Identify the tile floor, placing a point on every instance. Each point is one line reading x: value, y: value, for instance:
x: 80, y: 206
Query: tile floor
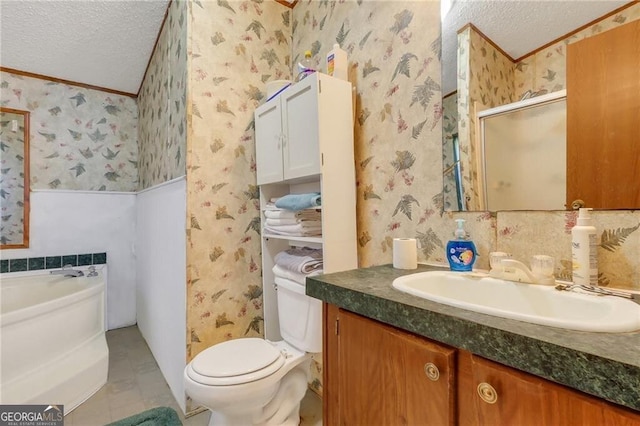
x: 135, y: 384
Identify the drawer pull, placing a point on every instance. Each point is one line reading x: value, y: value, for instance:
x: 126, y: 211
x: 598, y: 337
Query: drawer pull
x: 487, y: 393
x: 431, y: 371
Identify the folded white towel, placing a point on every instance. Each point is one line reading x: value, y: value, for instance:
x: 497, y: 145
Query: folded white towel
x: 293, y: 231
x: 300, y: 259
x: 277, y: 222
x: 305, y: 224
x: 298, y: 277
x: 303, y: 221
x: 288, y: 214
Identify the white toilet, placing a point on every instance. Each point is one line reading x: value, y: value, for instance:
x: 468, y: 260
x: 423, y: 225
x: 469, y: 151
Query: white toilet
x: 253, y: 381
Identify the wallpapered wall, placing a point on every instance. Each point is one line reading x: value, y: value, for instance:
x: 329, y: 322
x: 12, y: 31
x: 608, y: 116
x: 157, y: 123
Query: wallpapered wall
x: 393, y: 50
x: 81, y: 139
x: 162, y: 104
x: 546, y: 70
x: 12, y: 178
x: 234, y: 48
x: 449, y: 128
x: 488, y: 81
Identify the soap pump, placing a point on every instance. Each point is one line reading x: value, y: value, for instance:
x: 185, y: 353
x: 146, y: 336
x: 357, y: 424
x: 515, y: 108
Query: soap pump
x: 461, y: 252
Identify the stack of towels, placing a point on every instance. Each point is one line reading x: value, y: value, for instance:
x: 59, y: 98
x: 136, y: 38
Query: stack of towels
x: 293, y: 215
x: 298, y: 263
x: 305, y: 223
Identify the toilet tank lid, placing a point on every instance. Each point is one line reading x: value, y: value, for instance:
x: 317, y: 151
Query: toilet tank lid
x: 235, y: 358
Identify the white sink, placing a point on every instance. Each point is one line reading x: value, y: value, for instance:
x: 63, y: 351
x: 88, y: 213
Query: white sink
x: 532, y: 303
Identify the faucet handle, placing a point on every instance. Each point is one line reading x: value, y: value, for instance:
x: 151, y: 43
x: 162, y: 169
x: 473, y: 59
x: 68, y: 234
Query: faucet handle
x: 542, y: 265
x: 496, y: 257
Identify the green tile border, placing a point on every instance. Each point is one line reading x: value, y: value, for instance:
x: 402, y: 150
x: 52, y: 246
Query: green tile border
x: 51, y: 262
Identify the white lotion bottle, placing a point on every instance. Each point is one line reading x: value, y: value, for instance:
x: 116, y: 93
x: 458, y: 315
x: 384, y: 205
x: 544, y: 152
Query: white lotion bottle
x: 337, y: 63
x: 584, y: 245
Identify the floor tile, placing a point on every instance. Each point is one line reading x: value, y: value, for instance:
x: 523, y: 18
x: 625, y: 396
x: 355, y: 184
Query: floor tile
x: 135, y: 384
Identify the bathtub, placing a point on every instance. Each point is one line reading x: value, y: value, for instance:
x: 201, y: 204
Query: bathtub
x: 53, y: 346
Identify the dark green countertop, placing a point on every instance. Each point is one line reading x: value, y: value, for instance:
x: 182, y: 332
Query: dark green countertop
x: 606, y: 365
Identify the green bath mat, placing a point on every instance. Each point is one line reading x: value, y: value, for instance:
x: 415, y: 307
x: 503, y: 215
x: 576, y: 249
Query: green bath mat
x: 160, y: 416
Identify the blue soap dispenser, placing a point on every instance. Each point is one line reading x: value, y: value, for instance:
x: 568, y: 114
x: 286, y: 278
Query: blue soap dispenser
x: 461, y: 252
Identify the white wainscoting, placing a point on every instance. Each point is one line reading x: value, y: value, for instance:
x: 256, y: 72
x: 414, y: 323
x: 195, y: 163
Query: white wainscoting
x: 162, y: 278
x: 78, y: 222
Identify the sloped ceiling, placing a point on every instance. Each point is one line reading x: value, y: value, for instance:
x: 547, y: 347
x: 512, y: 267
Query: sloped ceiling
x: 101, y: 43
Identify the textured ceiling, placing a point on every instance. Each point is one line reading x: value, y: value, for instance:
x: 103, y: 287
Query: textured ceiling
x: 517, y: 26
x: 101, y: 43
x: 108, y: 43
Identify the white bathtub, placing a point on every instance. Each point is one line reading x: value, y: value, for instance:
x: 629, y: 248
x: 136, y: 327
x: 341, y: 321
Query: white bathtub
x: 53, y: 346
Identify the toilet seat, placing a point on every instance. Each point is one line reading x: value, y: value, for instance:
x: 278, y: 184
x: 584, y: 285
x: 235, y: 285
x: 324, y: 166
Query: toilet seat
x: 235, y: 362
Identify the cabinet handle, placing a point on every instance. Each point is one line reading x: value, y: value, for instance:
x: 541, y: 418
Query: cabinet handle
x: 577, y: 204
x: 284, y: 140
x: 487, y: 393
x: 431, y: 371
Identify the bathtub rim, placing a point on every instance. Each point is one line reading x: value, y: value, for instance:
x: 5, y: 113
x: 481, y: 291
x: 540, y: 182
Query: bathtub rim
x: 26, y: 313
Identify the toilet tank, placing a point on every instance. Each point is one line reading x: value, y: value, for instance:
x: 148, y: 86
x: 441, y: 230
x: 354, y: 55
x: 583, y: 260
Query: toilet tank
x: 300, y: 316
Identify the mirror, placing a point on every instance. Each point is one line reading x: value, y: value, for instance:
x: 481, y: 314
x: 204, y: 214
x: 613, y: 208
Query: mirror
x: 492, y: 78
x: 14, y: 178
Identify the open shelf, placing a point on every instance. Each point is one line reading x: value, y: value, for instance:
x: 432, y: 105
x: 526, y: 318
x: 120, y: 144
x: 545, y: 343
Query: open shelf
x: 317, y: 240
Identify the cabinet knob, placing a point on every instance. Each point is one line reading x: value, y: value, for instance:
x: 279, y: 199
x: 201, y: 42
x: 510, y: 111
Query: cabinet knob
x: 487, y: 393
x: 577, y: 204
x: 431, y: 371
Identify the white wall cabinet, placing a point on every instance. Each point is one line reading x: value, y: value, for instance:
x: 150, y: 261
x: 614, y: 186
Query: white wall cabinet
x: 304, y: 143
x: 289, y: 128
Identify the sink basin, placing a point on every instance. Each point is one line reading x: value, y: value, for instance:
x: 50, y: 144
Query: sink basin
x: 532, y: 303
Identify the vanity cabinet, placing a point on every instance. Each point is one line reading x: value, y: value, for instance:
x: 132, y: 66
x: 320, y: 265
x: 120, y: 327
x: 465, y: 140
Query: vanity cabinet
x: 493, y: 394
x: 377, y: 374
x: 294, y: 129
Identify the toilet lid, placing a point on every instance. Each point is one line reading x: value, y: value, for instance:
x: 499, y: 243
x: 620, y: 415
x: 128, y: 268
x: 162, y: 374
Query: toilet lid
x: 235, y: 358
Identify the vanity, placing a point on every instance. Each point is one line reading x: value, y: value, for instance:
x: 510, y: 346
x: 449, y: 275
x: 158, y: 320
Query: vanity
x: 393, y: 358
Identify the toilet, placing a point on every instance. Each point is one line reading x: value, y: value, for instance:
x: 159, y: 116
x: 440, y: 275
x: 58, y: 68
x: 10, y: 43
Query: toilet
x: 252, y: 381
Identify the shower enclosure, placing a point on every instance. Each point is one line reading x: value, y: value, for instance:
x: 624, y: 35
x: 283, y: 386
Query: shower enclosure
x: 522, y: 155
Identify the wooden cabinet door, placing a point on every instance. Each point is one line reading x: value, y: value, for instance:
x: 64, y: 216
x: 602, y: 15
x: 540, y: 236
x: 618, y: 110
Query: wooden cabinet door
x: 492, y: 394
x: 301, y: 154
x: 268, y: 139
x: 385, y: 376
x: 603, y: 119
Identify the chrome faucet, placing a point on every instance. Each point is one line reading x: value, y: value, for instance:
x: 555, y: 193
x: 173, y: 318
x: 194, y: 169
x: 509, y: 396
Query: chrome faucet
x: 68, y: 271
x: 513, y: 270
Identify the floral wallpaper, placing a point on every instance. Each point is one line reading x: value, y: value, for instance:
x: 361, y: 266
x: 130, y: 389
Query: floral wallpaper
x: 234, y: 48
x: 449, y: 128
x: 394, y: 62
x: 545, y: 71
x: 81, y: 139
x: 487, y: 78
x: 12, y: 178
x: 162, y: 104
